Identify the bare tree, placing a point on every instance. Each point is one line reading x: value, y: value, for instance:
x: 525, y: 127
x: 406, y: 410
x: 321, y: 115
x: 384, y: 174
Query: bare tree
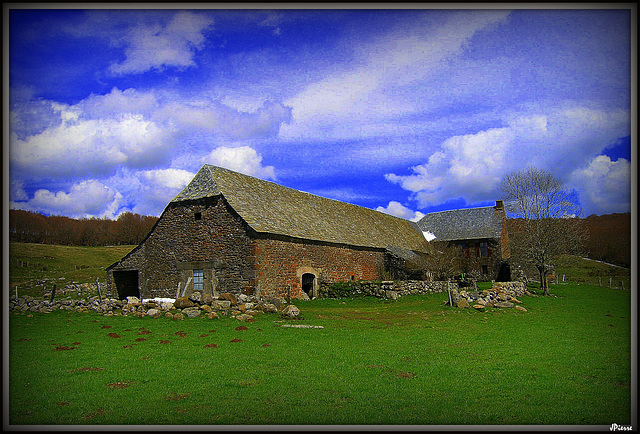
x: 548, y: 225
x: 447, y: 262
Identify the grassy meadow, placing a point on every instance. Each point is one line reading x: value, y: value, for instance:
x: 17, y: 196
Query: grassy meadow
x: 33, y: 265
x: 566, y: 361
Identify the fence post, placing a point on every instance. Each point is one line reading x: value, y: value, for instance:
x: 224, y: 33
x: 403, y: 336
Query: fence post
x: 15, y: 288
x: 53, y: 292
x: 610, y: 282
x: 98, y: 287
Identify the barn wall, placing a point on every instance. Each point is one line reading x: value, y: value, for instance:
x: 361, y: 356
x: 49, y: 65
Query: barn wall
x: 280, y: 262
x: 216, y: 240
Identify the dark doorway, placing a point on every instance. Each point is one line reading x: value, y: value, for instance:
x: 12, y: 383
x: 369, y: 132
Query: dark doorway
x: 504, y: 275
x: 126, y: 283
x: 307, y: 283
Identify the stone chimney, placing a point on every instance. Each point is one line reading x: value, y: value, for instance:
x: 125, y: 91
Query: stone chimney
x: 499, y: 205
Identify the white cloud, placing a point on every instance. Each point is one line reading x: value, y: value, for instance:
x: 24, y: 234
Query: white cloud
x: 471, y: 166
x: 225, y: 122
x: 175, y: 179
x: 89, y: 198
x: 157, y: 46
x: 243, y: 159
x: 604, y: 185
x: 90, y: 147
x: 399, y: 210
x: 365, y: 89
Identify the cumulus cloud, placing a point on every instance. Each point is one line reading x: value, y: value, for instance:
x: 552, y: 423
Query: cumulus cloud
x: 243, y: 159
x: 89, y: 198
x: 150, y: 47
x: 399, y: 210
x: 89, y: 147
x: 471, y: 166
x: 604, y: 185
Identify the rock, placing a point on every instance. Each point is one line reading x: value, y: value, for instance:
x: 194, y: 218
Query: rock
x: 304, y: 296
x: 220, y: 304
x: 503, y: 304
x: 212, y: 315
x: 207, y: 299
x: 133, y: 300
x: 230, y: 297
x: 521, y: 308
x: 168, y: 315
x: 179, y: 315
x: 191, y: 312
x: 206, y: 308
x: 478, y: 306
x: 269, y: 308
x: 463, y: 303
x: 196, y: 296
x: 243, y: 317
x: 154, y: 313
x: 166, y: 305
x: 290, y: 311
x: 182, y: 303
x: 391, y: 295
x: 481, y: 301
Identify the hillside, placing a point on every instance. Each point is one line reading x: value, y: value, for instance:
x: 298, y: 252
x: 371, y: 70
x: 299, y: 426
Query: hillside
x: 609, y: 238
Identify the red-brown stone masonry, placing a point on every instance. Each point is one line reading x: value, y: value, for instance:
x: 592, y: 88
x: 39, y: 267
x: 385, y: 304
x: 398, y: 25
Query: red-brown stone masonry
x: 219, y: 236
x: 278, y: 261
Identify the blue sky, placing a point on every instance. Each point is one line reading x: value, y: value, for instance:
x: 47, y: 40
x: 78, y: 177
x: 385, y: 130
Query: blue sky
x: 403, y: 111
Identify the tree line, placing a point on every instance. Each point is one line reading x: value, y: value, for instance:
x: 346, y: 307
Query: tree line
x: 32, y: 227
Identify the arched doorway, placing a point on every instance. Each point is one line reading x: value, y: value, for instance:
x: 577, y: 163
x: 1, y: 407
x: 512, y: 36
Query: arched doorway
x: 307, y: 283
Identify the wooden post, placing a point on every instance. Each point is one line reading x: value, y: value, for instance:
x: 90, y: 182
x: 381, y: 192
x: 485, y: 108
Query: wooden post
x: 98, y: 287
x: 449, y: 291
x: 53, y: 292
x: 610, y: 282
x: 15, y: 288
x: 178, y: 291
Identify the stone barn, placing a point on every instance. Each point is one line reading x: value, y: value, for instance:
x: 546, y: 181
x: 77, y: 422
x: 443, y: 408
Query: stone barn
x: 229, y: 232
x: 480, y: 233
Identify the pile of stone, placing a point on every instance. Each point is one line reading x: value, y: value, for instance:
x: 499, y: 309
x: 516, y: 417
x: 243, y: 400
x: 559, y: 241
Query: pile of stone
x: 241, y: 307
x: 391, y: 290
x: 501, y: 295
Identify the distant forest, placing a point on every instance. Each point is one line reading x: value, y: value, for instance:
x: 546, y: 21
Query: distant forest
x: 609, y: 236
x: 31, y: 227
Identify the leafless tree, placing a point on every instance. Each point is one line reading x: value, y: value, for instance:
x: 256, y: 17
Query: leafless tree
x: 446, y: 262
x: 547, y: 219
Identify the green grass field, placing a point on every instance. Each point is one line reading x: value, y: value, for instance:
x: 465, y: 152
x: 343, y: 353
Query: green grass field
x: 31, y: 264
x: 566, y: 361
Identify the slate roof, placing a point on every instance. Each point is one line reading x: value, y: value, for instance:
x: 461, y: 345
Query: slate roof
x: 271, y: 208
x: 464, y: 224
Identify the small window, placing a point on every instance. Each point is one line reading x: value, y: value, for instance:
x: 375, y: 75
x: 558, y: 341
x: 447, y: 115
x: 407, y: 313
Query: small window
x: 198, y: 280
x: 485, y: 269
x: 197, y: 216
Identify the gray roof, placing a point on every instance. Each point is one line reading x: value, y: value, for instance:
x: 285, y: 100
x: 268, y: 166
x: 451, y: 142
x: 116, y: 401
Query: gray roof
x: 271, y: 208
x: 464, y: 224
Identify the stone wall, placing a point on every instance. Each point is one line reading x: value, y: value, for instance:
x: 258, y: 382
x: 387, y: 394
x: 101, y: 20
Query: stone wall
x: 384, y: 289
x: 205, y: 234
x: 280, y: 263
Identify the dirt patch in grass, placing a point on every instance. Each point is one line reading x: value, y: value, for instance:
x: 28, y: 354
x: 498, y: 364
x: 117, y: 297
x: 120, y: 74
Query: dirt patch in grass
x: 236, y: 340
x: 119, y: 385
x: 24, y: 340
x: 241, y: 328
x: 180, y: 333
x: 63, y: 348
x: 211, y: 346
x: 98, y: 412
x: 165, y: 342
x: 141, y: 339
x: 114, y: 335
